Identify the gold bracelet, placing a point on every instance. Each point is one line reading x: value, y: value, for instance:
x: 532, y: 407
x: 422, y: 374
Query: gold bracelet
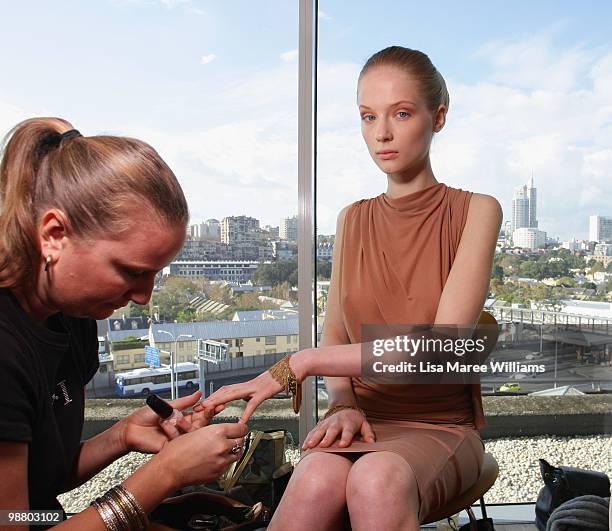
x: 340, y: 407
x: 120, y: 511
x: 284, y: 375
x: 108, y: 516
x: 118, y: 508
x: 139, y: 514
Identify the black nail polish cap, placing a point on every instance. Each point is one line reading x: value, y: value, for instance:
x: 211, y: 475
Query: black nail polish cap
x: 160, y: 406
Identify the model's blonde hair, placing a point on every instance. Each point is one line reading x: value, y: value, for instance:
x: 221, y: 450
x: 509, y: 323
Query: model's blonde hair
x: 95, y: 181
x: 419, y: 66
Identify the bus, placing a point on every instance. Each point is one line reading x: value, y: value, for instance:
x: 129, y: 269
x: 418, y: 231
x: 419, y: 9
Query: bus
x: 142, y: 382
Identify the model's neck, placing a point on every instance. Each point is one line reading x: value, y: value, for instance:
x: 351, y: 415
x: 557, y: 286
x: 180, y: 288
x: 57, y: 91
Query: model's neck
x: 412, y: 180
x: 33, y: 304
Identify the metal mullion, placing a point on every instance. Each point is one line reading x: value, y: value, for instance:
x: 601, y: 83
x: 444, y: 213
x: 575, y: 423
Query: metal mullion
x: 306, y: 210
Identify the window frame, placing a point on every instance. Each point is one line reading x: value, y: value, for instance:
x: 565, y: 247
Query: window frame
x: 307, y: 120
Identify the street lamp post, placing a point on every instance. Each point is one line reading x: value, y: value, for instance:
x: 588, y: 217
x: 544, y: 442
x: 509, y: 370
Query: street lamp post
x: 173, y: 376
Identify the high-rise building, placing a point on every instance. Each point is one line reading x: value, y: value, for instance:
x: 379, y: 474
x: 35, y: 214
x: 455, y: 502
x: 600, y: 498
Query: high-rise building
x: 193, y: 232
x: 274, y: 232
x: 524, y: 207
x: 529, y: 238
x: 289, y: 229
x: 600, y: 229
x: 207, y: 230
x: 210, y: 230
x: 239, y: 229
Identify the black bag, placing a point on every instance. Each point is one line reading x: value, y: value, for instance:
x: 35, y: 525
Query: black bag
x: 210, y: 512
x: 564, y: 483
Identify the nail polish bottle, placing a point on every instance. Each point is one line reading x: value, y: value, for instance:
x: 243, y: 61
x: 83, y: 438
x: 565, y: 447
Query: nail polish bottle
x: 164, y: 410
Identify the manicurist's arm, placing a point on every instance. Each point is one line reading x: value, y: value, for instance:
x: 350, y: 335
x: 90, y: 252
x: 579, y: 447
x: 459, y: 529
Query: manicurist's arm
x: 209, y: 454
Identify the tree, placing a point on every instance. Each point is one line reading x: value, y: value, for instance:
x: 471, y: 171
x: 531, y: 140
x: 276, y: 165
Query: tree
x: 250, y: 301
x: 324, y: 270
x: 138, y: 310
x: 280, y: 291
x: 554, y: 269
x: 530, y: 269
x: 216, y: 292
x: 186, y: 315
x: 175, y: 296
x: 510, y: 263
x: 276, y: 273
x: 498, y: 272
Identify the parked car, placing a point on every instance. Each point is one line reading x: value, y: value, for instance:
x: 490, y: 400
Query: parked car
x: 533, y: 356
x: 510, y: 386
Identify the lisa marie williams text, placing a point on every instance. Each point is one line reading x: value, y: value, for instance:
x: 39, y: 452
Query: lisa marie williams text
x: 456, y: 367
x: 439, y: 354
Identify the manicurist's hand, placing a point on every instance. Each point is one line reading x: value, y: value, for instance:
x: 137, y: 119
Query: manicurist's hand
x: 202, y: 455
x: 342, y: 426
x: 143, y: 430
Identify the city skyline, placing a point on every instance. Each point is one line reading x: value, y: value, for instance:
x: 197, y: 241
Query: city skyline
x: 529, y: 93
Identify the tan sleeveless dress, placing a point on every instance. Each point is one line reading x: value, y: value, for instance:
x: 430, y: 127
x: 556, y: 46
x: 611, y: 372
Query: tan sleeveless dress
x: 396, y: 256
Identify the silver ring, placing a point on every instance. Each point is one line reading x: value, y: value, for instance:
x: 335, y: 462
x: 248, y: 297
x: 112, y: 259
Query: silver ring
x: 236, y: 448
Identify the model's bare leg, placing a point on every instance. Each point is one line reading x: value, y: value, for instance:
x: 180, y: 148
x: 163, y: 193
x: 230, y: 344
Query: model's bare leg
x: 316, y: 495
x: 381, y: 493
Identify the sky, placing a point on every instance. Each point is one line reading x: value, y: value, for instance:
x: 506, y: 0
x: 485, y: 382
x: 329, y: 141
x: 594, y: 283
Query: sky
x: 212, y: 85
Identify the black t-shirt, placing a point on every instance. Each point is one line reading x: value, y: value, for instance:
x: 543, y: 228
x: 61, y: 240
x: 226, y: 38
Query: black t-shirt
x: 43, y: 371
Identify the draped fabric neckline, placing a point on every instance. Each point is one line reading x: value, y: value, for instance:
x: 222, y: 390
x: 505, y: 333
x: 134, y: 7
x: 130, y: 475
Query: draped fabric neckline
x: 421, y: 201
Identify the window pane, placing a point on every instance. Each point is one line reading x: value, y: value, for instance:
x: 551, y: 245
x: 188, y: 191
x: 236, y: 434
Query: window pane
x: 518, y: 129
x: 219, y: 103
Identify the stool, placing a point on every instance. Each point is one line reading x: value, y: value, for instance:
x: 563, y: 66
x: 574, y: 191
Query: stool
x: 488, y: 475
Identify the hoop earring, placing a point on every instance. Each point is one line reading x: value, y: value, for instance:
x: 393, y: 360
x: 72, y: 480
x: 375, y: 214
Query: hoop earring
x: 47, y: 262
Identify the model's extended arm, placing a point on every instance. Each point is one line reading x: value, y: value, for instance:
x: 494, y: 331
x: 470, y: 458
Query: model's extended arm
x: 462, y: 298
x: 461, y: 303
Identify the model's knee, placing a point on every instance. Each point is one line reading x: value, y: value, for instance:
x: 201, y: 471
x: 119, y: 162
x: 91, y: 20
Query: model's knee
x: 381, y: 479
x: 320, y: 477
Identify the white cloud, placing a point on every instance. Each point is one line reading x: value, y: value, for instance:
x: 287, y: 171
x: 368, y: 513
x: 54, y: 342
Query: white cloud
x: 535, y: 62
x: 171, y: 4
x: 546, y: 111
x: 240, y: 155
x: 206, y: 59
x: 291, y: 55
x: 238, y: 162
x: 323, y: 15
x: 497, y: 134
x: 187, y: 5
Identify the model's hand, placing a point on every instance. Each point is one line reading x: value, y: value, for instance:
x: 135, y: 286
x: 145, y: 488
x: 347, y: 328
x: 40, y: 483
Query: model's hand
x: 143, y: 430
x: 343, y: 425
x: 254, y: 391
x: 202, y: 455
x: 202, y: 417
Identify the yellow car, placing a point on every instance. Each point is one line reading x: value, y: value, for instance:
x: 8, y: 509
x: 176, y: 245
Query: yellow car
x: 510, y: 387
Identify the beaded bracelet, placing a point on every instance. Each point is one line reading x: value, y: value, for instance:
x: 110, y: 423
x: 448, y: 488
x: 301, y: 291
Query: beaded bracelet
x: 284, y: 375
x: 341, y: 407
